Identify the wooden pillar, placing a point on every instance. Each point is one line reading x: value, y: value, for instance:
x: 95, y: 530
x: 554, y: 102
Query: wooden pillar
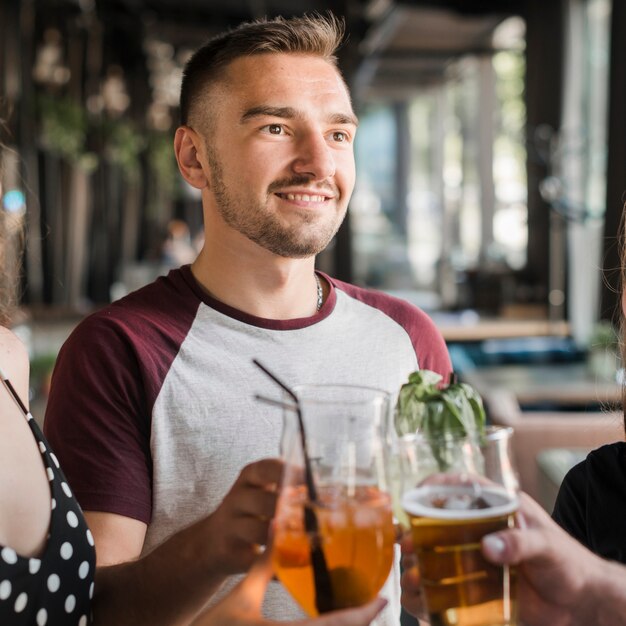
x: 544, y: 70
x: 616, y: 166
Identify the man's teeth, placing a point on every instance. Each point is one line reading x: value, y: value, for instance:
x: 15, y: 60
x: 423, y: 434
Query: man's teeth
x: 303, y: 197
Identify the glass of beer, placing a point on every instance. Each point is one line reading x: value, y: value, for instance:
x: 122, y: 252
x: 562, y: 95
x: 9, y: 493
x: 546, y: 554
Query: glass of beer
x: 455, y: 491
x: 345, y: 430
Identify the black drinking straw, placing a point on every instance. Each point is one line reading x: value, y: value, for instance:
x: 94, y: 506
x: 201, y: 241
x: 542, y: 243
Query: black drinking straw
x: 324, y: 601
x: 14, y: 394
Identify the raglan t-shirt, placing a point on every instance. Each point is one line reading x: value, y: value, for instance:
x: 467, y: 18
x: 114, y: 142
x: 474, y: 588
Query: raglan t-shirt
x: 152, y: 409
x: 591, y: 504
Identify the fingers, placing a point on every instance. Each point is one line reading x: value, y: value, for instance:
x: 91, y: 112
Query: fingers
x: 412, y: 599
x: 258, y: 502
x: 265, y: 473
x: 361, y: 616
x: 530, y: 540
x: 251, y: 530
x: 242, y: 521
x: 406, y: 544
x: 399, y: 531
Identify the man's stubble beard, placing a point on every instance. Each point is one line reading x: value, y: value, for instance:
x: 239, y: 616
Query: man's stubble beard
x: 262, y: 227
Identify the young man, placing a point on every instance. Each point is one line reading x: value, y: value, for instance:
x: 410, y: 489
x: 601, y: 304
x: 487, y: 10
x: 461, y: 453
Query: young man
x: 152, y: 407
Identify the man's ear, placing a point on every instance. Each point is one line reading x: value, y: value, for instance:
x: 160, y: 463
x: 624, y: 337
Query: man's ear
x: 187, y: 144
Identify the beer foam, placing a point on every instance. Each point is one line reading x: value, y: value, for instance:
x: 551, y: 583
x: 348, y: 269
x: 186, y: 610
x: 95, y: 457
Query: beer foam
x: 418, y: 502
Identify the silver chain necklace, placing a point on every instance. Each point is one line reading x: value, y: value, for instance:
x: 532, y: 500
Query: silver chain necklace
x: 320, y: 292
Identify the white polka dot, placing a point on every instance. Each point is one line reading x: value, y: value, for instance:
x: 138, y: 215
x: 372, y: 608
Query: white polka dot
x: 82, y: 621
x: 72, y: 520
x: 66, y: 489
x: 42, y: 617
x: 70, y: 603
x: 34, y: 565
x: 91, y: 591
x: 9, y: 556
x: 54, y: 458
x: 54, y: 582
x: 5, y: 589
x: 42, y: 446
x: 50, y: 474
x: 20, y: 602
x: 67, y: 550
x: 83, y: 570
x: 90, y: 537
x: 54, y: 504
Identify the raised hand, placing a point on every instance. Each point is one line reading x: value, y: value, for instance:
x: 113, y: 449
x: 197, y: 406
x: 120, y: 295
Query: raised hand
x: 561, y: 582
x: 241, y: 522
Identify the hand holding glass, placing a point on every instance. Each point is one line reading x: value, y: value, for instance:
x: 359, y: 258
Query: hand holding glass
x: 345, y: 436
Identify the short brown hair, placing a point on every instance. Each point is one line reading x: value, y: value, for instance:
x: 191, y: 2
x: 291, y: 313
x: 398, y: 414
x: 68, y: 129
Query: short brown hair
x: 319, y: 35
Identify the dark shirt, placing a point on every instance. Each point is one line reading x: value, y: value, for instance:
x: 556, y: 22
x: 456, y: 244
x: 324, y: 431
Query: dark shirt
x: 591, y: 504
x: 54, y: 589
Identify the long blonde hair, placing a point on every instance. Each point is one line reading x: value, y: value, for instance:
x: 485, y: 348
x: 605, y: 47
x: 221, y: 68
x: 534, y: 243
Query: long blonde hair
x: 8, y: 278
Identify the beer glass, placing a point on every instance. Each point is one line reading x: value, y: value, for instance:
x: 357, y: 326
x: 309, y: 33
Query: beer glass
x: 455, y: 491
x: 345, y: 440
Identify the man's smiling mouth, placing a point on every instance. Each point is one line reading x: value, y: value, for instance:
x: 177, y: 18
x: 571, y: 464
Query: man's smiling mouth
x: 303, y: 197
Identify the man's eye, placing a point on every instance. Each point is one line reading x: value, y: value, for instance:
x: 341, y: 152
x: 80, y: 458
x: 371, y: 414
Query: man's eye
x: 340, y: 137
x: 274, y: 129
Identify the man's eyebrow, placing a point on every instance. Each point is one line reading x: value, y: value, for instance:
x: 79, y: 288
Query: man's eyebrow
x: 289, y: 113
x: 265, y: 110
x: 343, y: 118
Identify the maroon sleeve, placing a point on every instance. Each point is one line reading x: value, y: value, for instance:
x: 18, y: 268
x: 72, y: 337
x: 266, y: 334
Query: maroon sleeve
x: 430, y: 348
x: 98, y: 421
x: 105, y: 382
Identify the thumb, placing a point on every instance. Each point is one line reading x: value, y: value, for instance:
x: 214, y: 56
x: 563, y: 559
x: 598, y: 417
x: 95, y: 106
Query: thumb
x: 361, y: 616
x: 513, y: 546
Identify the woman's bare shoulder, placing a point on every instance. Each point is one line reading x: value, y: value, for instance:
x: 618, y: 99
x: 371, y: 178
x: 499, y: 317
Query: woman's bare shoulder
x: 13, y: 357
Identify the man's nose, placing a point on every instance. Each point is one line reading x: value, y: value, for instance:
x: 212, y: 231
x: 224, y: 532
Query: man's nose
x: 315, y: 157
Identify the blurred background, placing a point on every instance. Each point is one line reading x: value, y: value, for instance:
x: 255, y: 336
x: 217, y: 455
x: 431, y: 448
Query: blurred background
x: 491, y: 160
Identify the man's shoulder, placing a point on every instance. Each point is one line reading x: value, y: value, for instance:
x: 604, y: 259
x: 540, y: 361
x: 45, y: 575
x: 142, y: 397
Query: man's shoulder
x: 399, y: 309
x: 166, y: 306
x: 429, y: 345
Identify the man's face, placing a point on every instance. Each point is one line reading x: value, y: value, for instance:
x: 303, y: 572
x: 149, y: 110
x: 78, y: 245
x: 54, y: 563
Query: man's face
x: 281, y: 152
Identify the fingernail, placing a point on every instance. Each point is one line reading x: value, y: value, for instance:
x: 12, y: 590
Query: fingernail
x: 494, y: 545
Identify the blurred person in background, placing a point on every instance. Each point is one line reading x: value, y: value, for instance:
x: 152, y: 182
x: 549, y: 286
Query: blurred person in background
x: 177, y: 248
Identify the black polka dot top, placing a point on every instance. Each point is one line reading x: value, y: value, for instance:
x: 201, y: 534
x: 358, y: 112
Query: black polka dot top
x: 55, y: 589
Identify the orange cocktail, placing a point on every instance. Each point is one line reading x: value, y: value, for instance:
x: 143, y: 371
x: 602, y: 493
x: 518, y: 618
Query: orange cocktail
x: 357, y: 538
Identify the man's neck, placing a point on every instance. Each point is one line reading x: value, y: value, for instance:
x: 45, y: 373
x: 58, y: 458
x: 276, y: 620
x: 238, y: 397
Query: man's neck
x: 266, y: 286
